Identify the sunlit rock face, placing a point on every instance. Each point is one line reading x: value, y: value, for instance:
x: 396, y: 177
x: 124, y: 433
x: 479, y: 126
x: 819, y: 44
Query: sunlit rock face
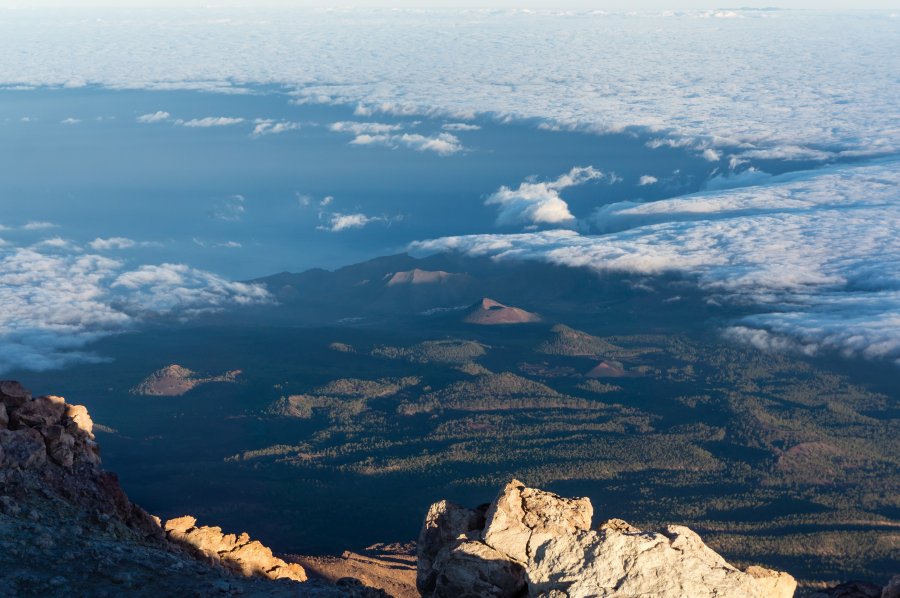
x: 538, y: 544
x: 237, y: 553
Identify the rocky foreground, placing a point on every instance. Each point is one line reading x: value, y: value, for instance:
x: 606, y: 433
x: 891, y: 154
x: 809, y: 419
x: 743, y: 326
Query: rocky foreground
x: 68, y: 529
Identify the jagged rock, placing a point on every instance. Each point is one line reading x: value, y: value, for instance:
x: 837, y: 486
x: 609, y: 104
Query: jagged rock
x: 13, y: 394
x: 42, y: 412
x: 79, y: 415
x: 474, y: 570
x: 522, y: 519
x: 4, y: 416
x: 60, y: 445
x: 239, y: 554
x: 23, y: 449
x: 68, y: 529
x: 550, y: 538
x: 444, y: 523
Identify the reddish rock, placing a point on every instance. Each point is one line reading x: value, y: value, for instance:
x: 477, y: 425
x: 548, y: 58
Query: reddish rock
x: 488, y: 312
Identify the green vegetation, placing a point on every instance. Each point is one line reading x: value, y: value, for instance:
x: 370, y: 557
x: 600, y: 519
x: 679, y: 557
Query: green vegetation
x: 571, y: 342
x: 771, y: 459
x: 441, y: 351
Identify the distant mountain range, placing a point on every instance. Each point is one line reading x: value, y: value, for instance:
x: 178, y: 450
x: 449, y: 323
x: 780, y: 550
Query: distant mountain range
x: 459, y: 288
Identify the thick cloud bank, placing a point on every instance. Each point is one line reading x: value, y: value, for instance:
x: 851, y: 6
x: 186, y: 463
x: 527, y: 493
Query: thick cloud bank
x: 818, y: 252
x: 785, y: 84
x: 55, y: 301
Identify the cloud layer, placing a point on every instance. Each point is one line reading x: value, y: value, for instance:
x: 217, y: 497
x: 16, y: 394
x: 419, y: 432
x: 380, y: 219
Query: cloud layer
x: 818, y: 252
x: 789, y: 84
x: 57, y: 299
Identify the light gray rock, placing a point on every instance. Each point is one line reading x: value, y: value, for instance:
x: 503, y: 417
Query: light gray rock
x: 551, y: 540
x: 522, y: 519
x: 474, y: 570
x: 444, y: 524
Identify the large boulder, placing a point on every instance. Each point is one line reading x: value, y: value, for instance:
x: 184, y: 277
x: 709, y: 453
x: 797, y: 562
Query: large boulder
x: 523, y: 519
x: 549, y: 541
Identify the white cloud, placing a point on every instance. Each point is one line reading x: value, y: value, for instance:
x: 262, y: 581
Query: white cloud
x: 100, y: 244
x: 336, y: 221
x: 272, y: 127
x: 818, y: 252
x: 443, y: 144
x: 70, y: 121
x: 363, y: 128
x: 711, y: 155
x: 56, y: 243
x: 647, y: 180
x: 210, y: 121
x: 54, y: 304
x: 460, y: 127
x: 539, y: 203
x: 154, y: 117
x: 39, y: 225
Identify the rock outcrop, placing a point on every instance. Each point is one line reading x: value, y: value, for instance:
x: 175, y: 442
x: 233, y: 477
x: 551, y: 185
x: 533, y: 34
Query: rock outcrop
x: 68, y: 529
x: 535, y: 543
x: 237, y: 553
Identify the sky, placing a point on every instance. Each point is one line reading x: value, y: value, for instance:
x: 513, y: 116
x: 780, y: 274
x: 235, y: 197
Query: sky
x: 504, y: 4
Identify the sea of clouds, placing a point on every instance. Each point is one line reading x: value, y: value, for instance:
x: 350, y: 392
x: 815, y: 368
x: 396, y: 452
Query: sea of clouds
x: 780, y: 84
x: 817, y: 251
x: 58, y: 297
